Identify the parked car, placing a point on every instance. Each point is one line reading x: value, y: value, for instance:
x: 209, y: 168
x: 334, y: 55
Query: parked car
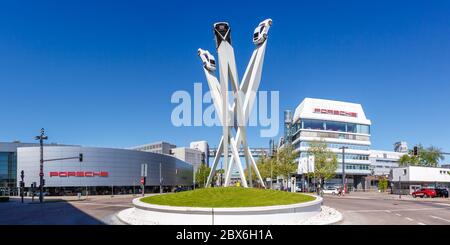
x: 330, y: 190
x: 180, y: 189
x: 424, y: 192
x: 441, y: 192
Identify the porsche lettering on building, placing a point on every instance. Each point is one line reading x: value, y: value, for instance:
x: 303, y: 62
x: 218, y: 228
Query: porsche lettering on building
x: 335, y: 112
x: 79, y: 174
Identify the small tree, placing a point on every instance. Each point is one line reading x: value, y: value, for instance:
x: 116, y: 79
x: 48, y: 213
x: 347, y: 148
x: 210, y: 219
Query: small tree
x: 201, y: 175
x: 427, y: 157
x: 382, y: 184
x: 265, y: 166
x: 325, y: 161
x: 286, y: 163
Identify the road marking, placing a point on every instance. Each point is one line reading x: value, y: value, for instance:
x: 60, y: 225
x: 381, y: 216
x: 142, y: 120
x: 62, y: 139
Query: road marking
x: 408, y: 218
x: 387, y: 211
x: 443, y: 204
x: 398, y: 214
x: 421, y: 223
x: 393, y: 210
x: 439, y: 218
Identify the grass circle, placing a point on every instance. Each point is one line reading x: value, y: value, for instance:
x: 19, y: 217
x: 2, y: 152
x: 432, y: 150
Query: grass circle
x: 229, y: 197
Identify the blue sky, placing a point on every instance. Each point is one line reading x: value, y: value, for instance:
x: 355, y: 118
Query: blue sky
x: 102, y: 73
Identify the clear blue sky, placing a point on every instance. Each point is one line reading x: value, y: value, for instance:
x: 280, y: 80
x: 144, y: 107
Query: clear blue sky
x: 101, y: 73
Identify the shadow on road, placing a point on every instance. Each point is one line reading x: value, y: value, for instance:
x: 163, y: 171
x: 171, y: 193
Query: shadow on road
x: 49, y: 213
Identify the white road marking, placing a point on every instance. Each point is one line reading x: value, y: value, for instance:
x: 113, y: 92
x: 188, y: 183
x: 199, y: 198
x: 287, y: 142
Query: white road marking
x: 387, y: 211
x: 393, y: 210
x: 408, y: 218
x: 398, y: 214
x: 439, y: 218
x: 421, y: 223
x: 443, y: 204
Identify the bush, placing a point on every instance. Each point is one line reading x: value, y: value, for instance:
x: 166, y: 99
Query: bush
x: 382, y: 184
x: 4, y: 199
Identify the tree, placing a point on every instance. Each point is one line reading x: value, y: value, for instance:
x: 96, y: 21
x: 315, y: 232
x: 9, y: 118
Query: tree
x: 382, y: 184
x: 286, y: 163
x: 427, y: 157
x: 201, y: 176
x: 325, y: 161
x: 265, y: 166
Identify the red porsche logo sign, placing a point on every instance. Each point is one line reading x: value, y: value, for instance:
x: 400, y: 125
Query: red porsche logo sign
x: 336, y: 112
x: 79, y: 174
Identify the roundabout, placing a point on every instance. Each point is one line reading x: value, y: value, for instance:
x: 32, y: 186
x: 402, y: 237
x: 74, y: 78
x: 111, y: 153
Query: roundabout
x: 224, y: 206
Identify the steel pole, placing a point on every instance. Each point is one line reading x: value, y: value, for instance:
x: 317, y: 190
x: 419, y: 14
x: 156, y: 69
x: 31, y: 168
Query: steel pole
x: 160, y: 179
x: 41, y: 169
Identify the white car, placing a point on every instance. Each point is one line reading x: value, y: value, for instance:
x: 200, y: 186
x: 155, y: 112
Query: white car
x: 208, y: 60
x: 330, y: 190
x: 260, y: 33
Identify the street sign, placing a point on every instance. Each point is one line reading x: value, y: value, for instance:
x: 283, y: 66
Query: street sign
x: 144, y: 170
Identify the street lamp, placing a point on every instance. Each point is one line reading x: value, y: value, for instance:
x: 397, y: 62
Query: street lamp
x: 41, y: 139
x: 344, y: 187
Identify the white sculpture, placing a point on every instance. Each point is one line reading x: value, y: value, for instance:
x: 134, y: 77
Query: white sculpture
x: 234, y: 117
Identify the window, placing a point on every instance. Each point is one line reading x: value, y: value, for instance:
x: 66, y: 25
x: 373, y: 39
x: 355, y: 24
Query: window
x: 335, y: 126
x: 313, y: 124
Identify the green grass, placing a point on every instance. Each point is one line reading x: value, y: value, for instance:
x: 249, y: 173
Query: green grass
x: 230, y: 197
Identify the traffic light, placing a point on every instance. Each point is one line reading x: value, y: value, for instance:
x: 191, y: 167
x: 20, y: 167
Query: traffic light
x: 416, y: 151
x: 43, y: 182
x: 81, y: 157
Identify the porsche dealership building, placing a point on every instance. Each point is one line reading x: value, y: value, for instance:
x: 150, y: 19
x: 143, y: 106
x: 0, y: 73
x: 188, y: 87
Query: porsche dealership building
x: 102, y: 171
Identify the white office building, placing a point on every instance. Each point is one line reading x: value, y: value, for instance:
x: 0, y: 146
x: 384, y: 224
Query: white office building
x: 338, y: 124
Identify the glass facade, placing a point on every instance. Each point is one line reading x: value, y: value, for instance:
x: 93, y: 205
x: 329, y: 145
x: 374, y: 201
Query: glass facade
x: 331, y: 126
x: 347, y: 156
x: 8, y: 169
x: 331, y: 135
x: 335, y: 146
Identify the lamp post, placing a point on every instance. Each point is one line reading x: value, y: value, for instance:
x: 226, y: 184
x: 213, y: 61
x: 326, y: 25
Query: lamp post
x: 344, y: 187
x: 41, y: 139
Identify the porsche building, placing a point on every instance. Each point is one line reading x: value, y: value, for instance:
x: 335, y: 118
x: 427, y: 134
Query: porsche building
x: 338, y: 124
x: 102, y: 170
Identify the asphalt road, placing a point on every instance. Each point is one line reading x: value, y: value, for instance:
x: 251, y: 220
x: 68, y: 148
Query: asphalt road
x: 380, y: 210
x: 98, y: 210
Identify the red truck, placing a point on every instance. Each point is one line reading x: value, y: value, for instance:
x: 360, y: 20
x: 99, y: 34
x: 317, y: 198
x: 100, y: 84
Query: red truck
x: 424, y: 193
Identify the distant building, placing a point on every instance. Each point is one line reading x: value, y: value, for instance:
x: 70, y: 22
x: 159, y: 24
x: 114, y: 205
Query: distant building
x: 381, y: 162
x: 445, y: 166
x: 401, y: 147
x: 203, y: 147
x: 160, y: 147
x: 189, y: 155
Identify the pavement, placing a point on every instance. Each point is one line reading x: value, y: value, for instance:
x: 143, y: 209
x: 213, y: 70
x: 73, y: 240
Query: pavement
x: 385, y: 209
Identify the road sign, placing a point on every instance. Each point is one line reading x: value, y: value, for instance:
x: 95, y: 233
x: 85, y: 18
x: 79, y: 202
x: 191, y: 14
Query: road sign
x: 144, y: 170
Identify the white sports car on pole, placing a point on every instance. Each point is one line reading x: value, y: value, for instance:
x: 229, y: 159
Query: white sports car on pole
x: 260, y: 33
x: 208, y: 60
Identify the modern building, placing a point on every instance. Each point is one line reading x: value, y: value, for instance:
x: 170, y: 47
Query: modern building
x: 8, y: 166
x: 202, y: 146
x: 337, y: 124
x: 189, y: 155
x: 160, y: 147
x: 102, y: 171
x: 406, y: 180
